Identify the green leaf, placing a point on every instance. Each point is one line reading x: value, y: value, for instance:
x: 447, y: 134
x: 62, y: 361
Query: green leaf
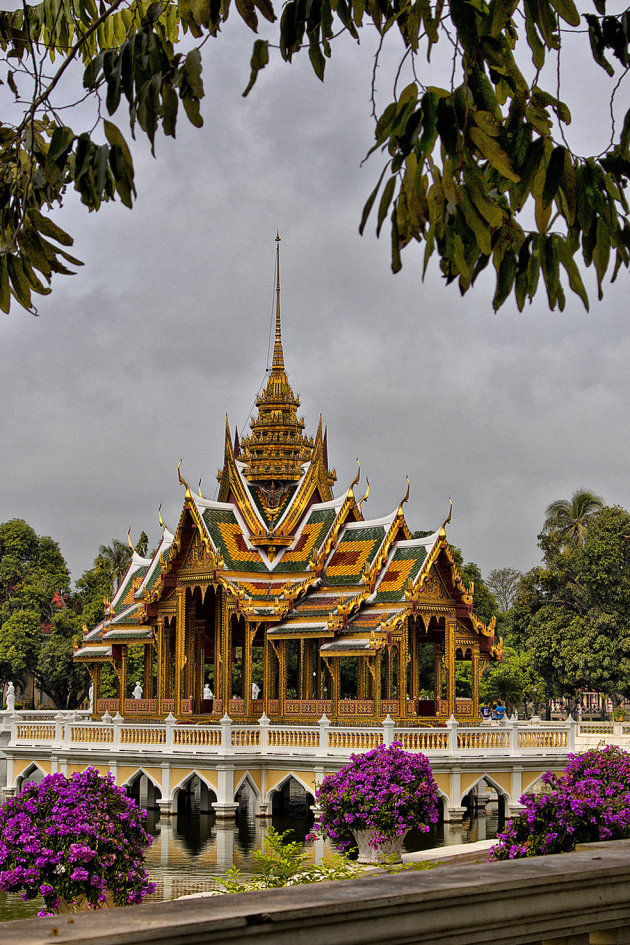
x: 396, y: 260
x: 115, y: 137
x: 601, y: 252
x: 551, y: 274
x: 370, y: 202
x: 247, y: 11
x: 192, y: 72
x: 386, y: 199
x: 553, y: 177
x: 505, y: 279
x: 169, y: 109
x: 48, y: 228
x: 19, y: 283
x: 477, y: 223
x: 492, y: 151
x: 567, y: 10
x: 60, y: 143
x: 317, y: 59
x: 5, y: 292
x: 572, y: 271
x: 260, y: 58
x: 625, y: 134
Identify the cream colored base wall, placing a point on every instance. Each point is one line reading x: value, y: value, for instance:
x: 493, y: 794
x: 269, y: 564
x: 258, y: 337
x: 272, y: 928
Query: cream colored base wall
x: 509, y: 777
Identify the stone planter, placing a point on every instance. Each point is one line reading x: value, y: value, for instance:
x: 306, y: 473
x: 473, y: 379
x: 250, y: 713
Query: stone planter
x: 387, y: 852
x: 81, y: 904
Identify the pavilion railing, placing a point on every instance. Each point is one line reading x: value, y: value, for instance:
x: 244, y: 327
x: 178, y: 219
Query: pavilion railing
x: 69, y: 731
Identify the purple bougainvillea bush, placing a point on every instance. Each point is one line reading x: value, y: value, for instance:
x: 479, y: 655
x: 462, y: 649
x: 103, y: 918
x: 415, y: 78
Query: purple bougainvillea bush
x: 387, y: 790
x: 588, y: 801
x: 80, y: 840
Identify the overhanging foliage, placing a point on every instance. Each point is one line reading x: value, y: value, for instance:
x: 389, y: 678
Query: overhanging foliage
x: 465, y: 164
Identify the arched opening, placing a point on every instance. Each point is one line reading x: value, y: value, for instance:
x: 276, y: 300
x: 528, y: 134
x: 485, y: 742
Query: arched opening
x: 486, y: 808
x: 32, y: 775
x: 247, y: 800
x: 291, y: 808
x: 195, y: 816
x: 143, y: 791
x: 194, y: 796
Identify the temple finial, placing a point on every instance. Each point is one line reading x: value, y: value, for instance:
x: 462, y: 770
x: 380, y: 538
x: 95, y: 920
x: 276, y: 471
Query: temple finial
x: 278, y: 356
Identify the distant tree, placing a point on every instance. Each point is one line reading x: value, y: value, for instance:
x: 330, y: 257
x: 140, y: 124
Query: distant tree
x: 569, y: 518
x: 66, y: 682
x: 114, y: 560
x: 142, y: 544
x: 512, y: 680
x: 485, y: 603
x: 503, y: 582
x: 573, y: 612
x: 20, y: 643
x: 38, y: 621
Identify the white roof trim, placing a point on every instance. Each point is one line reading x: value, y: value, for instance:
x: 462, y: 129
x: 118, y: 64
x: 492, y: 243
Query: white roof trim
x: 167, y: 540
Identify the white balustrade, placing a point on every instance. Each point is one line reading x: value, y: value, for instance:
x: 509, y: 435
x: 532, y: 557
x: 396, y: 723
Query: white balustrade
x: 72, y: 730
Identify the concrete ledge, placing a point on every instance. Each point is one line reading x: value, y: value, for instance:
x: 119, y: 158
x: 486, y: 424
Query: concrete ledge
x: 569, y: 896
x: 455, y: 853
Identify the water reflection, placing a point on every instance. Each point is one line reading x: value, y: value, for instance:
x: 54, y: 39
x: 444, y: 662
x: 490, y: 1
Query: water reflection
x: 190, y: 851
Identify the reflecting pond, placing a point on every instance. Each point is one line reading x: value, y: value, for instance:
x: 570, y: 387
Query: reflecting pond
x: 191, y: 850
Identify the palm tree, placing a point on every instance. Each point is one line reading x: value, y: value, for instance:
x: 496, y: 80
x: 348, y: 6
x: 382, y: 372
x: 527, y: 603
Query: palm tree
x: 114, y: 560
x: 570, y: 518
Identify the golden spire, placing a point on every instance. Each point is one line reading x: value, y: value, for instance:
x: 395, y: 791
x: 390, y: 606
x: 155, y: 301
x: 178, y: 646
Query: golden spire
x: 277, y: 447
x: 278, y: 355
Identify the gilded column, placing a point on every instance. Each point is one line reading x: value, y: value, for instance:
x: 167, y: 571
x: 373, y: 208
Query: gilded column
x: 267, y: 673
x: 301, y: 670
x: 282, y: 674
x: 378, y: 659
x: 389, y: 674
x: 180, y: 651
x: 148, y: 671
x: 450, y: 663
x: 336, y: 677
x: 475, y: 681
x: 218, y: 635
x: 200, y: 648
x: 319, y: 679
x: 122, y: 693
x: 413, y: 631
x: 95, y: 674
x: 308, y: 670
x: 226, y: 655
x: 246, y: 669
x: 160, y: 694
x: 437, y: 663
x: 402, y: 673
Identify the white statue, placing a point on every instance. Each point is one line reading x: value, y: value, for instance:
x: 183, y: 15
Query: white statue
x: 255, y: 690
x: 11, y: 697
x: 91, y: 697
x: 207, y: 692
x: 137, y: 692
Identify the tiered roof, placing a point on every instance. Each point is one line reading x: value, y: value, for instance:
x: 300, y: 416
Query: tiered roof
x: 276, y: 538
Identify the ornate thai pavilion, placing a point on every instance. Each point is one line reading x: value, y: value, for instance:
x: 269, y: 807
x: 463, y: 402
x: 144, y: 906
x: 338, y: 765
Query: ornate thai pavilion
x: 279, y: 598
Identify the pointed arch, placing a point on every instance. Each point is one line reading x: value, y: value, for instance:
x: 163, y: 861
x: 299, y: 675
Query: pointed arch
x: 280, y: 784
x: 247, y: 778
x: 175, y: 790
x: 504, y: 796
x: 140, y: 771
x: 25, y: 776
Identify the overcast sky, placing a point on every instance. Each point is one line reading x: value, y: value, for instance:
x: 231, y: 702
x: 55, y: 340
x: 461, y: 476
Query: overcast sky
x: 134, y: 362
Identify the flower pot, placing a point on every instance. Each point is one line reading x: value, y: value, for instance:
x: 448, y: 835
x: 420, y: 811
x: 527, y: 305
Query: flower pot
x: 81, y: 904
x: 389, y: 851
